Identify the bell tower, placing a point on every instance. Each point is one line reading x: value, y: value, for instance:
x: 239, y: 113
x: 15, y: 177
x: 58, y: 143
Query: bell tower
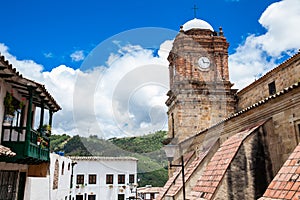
x: 200, y: 91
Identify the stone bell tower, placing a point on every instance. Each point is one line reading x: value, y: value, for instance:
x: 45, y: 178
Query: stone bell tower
x: 200, y: 91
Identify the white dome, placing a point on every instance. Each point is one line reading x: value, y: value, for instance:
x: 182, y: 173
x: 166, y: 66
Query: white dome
x: 197, y: 24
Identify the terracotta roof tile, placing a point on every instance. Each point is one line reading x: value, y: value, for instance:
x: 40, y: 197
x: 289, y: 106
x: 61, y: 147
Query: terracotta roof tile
x: 286, y: 183
x: 171, y: 189
x: 216, y: 168
x: 5, y: 151
x: 171, y: 180
x: 296, y: 196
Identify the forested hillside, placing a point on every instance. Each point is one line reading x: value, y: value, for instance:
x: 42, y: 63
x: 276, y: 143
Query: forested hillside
x: 152, y: 164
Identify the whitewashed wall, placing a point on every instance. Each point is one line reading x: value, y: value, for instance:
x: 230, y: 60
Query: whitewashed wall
x: 63, y: 178
x: 42, y: 188
x: 102, y: 166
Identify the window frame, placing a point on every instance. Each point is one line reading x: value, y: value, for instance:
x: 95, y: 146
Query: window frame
x: 91, y: 197
x: 109, y: 179
x: 131, y: 178
x: 92, y: 178
x: 121, y: 178
x: 80, y: 180
x: 272, y: 88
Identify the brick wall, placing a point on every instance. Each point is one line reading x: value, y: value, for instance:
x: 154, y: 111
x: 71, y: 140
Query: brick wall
x: 284, y: 113
x: 283, y: 76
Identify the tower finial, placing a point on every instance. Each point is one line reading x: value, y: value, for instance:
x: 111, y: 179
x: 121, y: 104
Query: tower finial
x: 195, y: 8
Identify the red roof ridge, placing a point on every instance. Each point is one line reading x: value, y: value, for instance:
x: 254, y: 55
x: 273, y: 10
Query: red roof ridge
x: 215, y: 170
x: 286, y: 183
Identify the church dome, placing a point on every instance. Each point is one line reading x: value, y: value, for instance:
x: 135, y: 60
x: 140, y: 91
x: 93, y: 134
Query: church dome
x: 197, y: 24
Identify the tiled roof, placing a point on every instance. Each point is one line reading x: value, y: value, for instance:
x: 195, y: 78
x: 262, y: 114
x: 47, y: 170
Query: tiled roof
x: 257, y: 104
x: 190, y: 169
x: 286, y: 184
x: 174, y: 184
x: 172, y: 179
x: 5, y: 151
x: 20, y: 83
x: 148, y: 190
x: 216, y: 168
x: 101, y: 158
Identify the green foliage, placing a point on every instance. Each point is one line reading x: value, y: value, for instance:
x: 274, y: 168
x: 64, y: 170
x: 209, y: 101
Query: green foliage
x: 75, y: 147
x: 155, y: 178
x: 58, y: 141
x: 147, y: 149
x: 8, y: 103
x: 142, y: 144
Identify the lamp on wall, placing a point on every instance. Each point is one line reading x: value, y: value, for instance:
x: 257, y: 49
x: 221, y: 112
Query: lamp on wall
x: 133, y: 186
x: 72, y: 166
x: 172, y: 151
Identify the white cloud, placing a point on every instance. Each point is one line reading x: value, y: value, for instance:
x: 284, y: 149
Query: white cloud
x: 127, y: 93
x: 77, y: 56
x: 258, y: 54
x: 127, y: 96
x: 98, y: 101
x: 27, y: 68
x: 48, y: 55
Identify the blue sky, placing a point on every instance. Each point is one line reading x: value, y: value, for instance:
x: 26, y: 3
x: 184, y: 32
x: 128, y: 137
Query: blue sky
x: 105, y: 61
x: 48, y: 32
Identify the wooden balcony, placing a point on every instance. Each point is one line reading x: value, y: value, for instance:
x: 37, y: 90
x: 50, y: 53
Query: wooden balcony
x: 30, y: 146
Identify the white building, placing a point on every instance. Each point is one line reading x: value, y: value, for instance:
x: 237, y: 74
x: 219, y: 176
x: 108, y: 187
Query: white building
x: 104, y: 178
x: 56, y: 186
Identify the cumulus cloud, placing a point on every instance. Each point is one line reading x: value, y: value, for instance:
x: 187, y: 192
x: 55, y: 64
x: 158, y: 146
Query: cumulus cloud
x: 126, y: 94
x: 77, y: 56
x: 127, y: 97
x: 111, y: 100
x: 26, y: 67
x: 259, y: 53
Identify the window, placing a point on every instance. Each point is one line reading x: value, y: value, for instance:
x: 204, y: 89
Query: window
x: 173, y: 128
x: 92, y: 178
x: 121, y: 179
x: 109, y: 178
x: 131, y: 178
x: 8, y: 183
x: 62, y: 168
x: 56, y: 175
x: 80, y: 179
x: 121, y: 196
x: 92, y: 197
x: 79, y: 197
x: 152, y: 195
x: 272, y: 88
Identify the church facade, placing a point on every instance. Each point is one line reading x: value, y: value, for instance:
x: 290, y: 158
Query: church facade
x: 236, y: 144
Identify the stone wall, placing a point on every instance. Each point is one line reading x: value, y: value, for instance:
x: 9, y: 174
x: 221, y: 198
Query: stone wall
x: 284, y: 115
x: 197, y: 107
x: 198, y: 97
x: 283, y: 76
x: 249, y: 174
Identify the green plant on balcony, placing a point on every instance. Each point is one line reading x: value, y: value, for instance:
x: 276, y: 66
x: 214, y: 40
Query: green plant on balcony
x: 9, y: 109
x: 46, y: 130
x: 42, y: 143
x: 22, y: 104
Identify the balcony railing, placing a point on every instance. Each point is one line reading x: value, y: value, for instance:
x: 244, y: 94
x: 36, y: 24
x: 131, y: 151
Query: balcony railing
x: 30, y: 146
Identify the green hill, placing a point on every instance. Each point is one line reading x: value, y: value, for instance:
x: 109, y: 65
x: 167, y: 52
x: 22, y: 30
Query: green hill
x: 152, y: 164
